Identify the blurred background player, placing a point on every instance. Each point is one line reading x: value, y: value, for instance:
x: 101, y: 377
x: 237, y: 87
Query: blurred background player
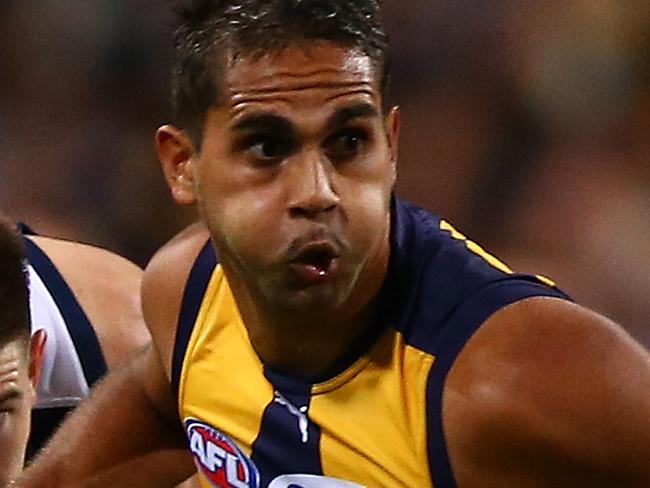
x: 87, y: 300
x: 20, y: 357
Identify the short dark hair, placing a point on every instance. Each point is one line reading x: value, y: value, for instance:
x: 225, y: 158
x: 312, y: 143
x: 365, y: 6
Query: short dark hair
x: 14, y: 286
x: 205, y: 28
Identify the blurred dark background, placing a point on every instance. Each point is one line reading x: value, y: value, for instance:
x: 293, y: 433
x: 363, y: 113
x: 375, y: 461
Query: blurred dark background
x: 526, y: 124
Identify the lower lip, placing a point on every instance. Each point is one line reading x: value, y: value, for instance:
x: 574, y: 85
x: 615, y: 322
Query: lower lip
x: 309, y: 274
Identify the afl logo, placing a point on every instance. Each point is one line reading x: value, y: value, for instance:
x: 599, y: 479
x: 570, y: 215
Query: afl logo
x: 219, y: 459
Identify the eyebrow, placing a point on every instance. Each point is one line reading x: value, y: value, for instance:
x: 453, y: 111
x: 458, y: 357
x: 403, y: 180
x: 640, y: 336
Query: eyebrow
x: 345, y: 114
x: 263, y: 121
x: 269, y: 121
x: 10, y: 394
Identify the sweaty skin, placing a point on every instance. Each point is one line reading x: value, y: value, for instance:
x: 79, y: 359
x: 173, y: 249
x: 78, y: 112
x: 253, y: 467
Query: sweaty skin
x: 301, y: 156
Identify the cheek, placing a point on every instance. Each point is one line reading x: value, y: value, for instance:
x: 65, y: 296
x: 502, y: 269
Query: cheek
x: 232, y: 191
x: 369, y: 187
x: 376, y: 174
x: 368, y: 208
x: 247, y: 222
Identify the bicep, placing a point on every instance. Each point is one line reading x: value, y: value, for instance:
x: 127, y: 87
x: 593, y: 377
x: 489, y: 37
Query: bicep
x: 548, y: 392
x: 163, y: 287
x: 158, y: 391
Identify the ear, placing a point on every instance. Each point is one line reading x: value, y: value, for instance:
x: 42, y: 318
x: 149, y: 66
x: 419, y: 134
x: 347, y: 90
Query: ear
x: 36, y: 353
x: 392, y: 123
x: 175, y: 153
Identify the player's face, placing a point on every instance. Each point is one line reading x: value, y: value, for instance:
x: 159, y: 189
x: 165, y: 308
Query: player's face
x: 295, y: 174
x: 16, y: 400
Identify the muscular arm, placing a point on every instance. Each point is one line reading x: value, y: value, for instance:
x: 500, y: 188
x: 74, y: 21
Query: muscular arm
x: 549, y: 394
x: 127, y: 426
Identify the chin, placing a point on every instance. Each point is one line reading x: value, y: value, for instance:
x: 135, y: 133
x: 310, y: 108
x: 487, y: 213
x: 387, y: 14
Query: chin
x: 309, y: 300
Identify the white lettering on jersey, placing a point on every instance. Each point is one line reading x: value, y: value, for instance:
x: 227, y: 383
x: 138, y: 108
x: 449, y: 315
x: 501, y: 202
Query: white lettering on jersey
x: 213, y: 458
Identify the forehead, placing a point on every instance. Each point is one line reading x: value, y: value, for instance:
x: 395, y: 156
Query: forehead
x: 301, y: 76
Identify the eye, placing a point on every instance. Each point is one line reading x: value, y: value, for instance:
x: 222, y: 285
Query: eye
x: 268, y: 147
x: 346, y: 144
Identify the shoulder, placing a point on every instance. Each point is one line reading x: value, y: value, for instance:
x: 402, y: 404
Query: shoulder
x: 164, y: 283
x: 548, y: 391
x: 107, y: 287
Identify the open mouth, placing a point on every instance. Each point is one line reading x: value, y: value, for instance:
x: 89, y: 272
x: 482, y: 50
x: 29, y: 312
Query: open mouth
x: 319, y: 255
x: 315, y: 263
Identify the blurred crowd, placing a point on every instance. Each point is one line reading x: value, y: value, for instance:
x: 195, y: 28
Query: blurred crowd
x: 526, y: 124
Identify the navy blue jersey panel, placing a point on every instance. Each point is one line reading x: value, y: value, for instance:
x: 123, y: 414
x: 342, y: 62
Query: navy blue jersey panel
x: 81, y: 331
x: 458, y: 329
x: 287, y: 442
x: 45, y: 421
x: 195, y: 288
x: 430, y: 274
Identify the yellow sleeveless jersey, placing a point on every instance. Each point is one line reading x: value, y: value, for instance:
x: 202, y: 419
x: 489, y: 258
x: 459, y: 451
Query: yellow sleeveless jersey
x: 376, y: 421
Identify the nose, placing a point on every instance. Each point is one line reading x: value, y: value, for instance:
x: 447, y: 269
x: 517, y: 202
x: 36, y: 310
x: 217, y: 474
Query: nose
x: 311, y: 192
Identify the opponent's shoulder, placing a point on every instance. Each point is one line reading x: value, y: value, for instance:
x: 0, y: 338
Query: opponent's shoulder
x: 88, y: 264
x: 107, y: 287
x: 549, y: 392
x: 165, y: 279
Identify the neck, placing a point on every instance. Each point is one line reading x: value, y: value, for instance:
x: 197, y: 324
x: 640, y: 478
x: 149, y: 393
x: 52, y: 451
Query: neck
x: 309, y: 343
x: 310, y: 348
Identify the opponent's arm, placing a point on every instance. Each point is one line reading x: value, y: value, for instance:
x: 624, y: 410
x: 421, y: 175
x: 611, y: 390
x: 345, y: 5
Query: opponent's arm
x: 549, y: 394
x: 126, y: 434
